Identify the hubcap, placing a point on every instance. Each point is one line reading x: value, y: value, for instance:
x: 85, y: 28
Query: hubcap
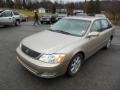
x: 75, y: 65
x: 109, y: 44
x: 17, y: 22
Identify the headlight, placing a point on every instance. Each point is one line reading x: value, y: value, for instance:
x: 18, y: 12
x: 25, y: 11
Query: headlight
x: 48, y: 19
x: 52, y: 58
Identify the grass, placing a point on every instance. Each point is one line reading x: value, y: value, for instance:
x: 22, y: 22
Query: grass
x: 28, y: 13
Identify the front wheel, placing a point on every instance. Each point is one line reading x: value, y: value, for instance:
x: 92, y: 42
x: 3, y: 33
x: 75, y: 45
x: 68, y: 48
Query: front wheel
x: 75, y: 65
x: 17, y: 22
x: 42, y: 22
x: 108, y: 44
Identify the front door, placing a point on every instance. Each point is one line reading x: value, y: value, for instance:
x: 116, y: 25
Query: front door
x: 6, y: 18
x: 93, y: 43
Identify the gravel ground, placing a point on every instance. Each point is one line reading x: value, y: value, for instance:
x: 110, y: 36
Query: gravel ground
x: 100, y: 72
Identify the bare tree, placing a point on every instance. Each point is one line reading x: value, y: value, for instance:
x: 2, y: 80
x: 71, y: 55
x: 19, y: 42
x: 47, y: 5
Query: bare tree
x: 18, y: 4
x: 9, y: 3
x: 1, y: 3
x: 24, y: 4
x: 70, y: 8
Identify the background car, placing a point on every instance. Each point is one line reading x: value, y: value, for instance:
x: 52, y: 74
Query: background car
x: 100, y: 15
x: 23, y: 17
x: 9, y: 17
x: 60, y: 16
x: 48, y: 19
x: 80, y: 14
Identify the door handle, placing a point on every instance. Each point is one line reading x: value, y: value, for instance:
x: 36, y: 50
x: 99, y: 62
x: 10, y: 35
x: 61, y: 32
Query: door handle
x: 10, y: 18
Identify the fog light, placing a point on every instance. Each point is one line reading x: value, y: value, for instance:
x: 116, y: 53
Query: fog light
x: 48, y: 75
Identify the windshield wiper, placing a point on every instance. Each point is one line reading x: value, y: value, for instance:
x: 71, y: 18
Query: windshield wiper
x: 60, y: 31
x: 63, y: 32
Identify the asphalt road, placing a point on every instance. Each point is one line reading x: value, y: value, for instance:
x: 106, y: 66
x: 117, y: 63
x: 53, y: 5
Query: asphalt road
x: 100, y: 72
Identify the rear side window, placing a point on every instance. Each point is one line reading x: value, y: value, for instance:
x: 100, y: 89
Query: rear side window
x: 105, y: 24
x: 96, y: 26
x: 16, y: 13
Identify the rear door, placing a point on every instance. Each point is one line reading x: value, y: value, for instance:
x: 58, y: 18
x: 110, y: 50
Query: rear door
x: 106, y: 31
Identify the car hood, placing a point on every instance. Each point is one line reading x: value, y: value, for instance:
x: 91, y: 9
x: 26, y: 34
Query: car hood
x: 48, y: 41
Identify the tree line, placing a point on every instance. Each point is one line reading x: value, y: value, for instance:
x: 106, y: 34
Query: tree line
x: 91, y: 7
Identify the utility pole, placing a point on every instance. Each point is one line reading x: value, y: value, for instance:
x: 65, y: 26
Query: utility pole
x: 85, y: 6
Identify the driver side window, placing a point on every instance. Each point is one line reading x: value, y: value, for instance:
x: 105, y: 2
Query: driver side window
x: 96, y: 26
x: 6, y: 14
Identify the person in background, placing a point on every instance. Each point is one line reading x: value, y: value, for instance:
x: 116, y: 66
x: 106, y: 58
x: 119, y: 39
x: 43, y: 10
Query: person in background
x: 36, y: 18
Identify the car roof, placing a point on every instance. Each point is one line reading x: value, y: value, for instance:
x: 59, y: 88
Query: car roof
x: 7, y: 10
x: 87, y: 18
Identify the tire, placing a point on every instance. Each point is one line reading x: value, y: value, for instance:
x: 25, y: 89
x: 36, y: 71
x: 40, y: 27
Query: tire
x: 108, y: 45
x: 75, y: 65
x: 41, y: 22
x: 17, y: 22
x: 5, y: 25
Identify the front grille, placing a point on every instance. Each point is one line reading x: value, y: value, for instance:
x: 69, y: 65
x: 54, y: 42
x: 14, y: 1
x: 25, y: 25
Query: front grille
x: 44, y: 18
x: 29, y: 52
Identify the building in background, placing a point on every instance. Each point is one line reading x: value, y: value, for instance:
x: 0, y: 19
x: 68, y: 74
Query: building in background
x: 41, y: 10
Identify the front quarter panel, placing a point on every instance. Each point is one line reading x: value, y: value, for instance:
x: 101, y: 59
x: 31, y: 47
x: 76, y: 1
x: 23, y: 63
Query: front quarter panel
x: 74, y: 48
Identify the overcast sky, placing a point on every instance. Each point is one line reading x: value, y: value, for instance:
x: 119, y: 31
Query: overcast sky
x: 64, y: 0
x: 68, y: 0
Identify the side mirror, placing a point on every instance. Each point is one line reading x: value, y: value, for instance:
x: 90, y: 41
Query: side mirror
x: 109, y: 26
x: 93, y: 34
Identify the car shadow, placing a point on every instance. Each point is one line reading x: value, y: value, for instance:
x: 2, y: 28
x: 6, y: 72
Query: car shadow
x: 7, y: 26
x: 93, y: 70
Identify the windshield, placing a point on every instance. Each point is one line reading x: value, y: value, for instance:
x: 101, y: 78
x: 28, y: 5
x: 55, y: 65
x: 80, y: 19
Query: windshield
x: 71, y: 26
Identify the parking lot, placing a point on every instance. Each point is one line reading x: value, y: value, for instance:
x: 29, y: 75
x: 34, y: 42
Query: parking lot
x: 100, y: 72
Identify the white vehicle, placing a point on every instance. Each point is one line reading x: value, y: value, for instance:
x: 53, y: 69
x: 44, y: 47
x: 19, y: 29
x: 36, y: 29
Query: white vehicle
x: 100, y: 15
x: 81, y: 14
x: 23, y: 17
x: 9, y: 17
x: 60, y: 16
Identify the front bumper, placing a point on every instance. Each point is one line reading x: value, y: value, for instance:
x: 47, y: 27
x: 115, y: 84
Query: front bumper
x: 39, y: 68
x: 45, y: 20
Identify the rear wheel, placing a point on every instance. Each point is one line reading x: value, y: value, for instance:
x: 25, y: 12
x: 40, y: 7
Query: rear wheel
x: 75, y: 65
x: 5, y: 25
x: 41, y: 22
